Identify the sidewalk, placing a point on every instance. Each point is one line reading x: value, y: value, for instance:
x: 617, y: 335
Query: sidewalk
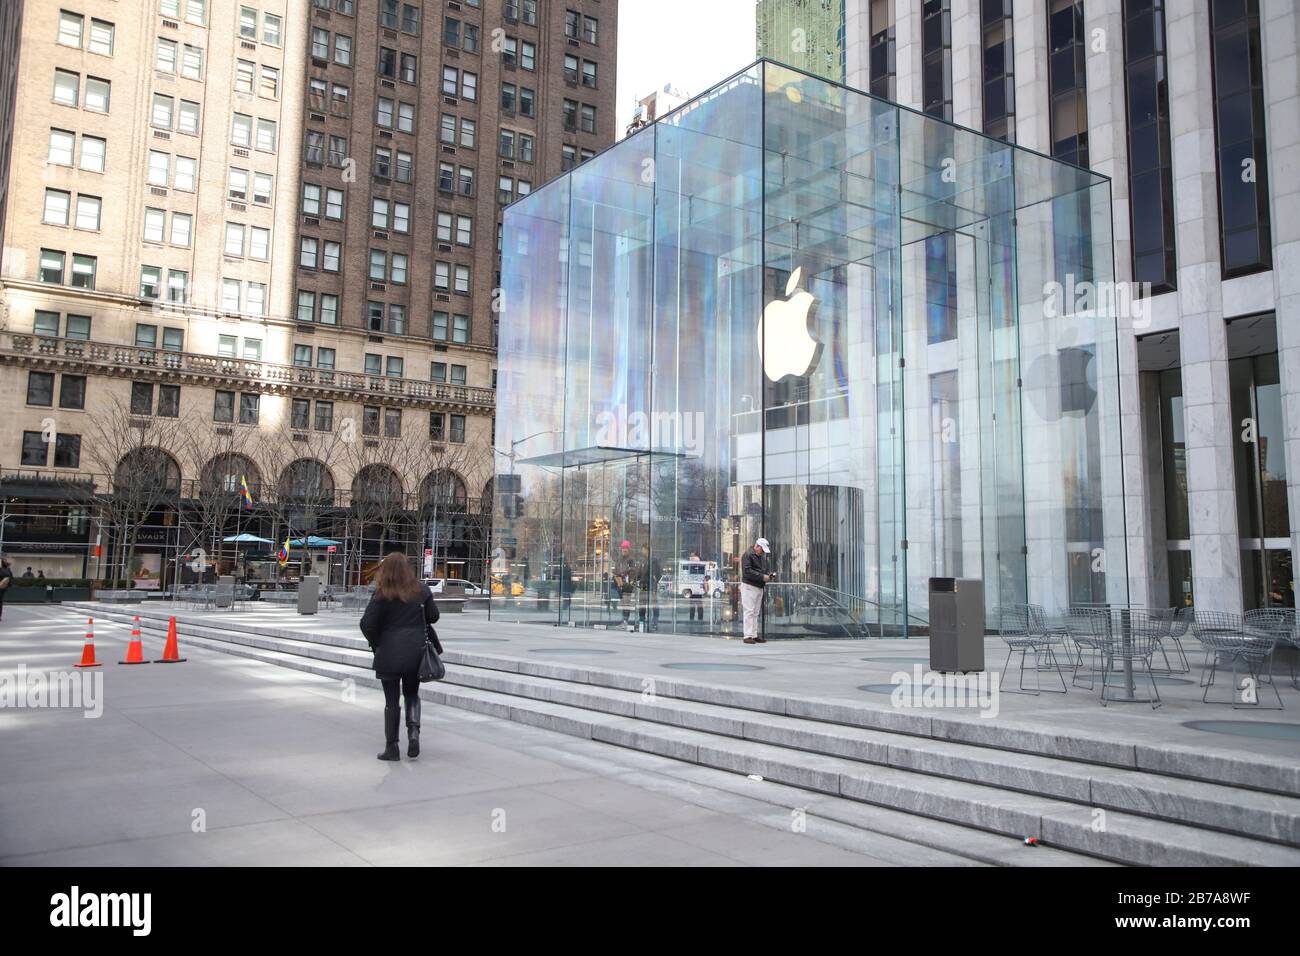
x: 860, y: 673
x: 227, y: 761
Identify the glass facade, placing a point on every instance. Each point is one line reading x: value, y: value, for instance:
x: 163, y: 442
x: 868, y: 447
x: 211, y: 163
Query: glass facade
x: 793, y: 310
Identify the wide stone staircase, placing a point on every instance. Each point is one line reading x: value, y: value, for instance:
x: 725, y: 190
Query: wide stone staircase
x: 973, y: 787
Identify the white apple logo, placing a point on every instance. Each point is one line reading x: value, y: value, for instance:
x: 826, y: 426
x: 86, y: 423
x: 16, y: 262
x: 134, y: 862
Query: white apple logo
x: 784, y: 329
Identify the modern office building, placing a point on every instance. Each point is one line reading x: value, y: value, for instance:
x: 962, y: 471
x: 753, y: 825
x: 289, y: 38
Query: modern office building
x: 843, y: 325
x: 258, y: 241
x: 1191, y: 108
x: 807, y: 34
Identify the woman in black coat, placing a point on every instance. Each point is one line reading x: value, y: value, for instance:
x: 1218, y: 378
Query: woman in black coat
x: 396, y: 624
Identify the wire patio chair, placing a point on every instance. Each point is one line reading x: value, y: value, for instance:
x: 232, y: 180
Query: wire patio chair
x: 1229, y: 639
x: 1278, y: 621
x: 1024, y: 628
x: 1134, y: 636
x: 1089, y: 630
x: 1179, y: 622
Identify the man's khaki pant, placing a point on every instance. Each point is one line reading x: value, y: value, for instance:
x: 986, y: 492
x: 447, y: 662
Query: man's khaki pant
x: 751, y: 601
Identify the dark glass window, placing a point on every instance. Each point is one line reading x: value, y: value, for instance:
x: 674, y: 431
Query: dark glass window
x: 1245, y: 236
x: 324, y: 416
x: 880, y: 57
x: 141, y: 398
x: 1067, y: 81
x: 300, y: 414
x: 169, y: 401
x: 999, y: 93
x: 67, y: 451
x: 936, y: 58
x: 40, y: 388
x: 223, y: 407
x: 370, y: 420
x: 34, y: 449
x: 1151, y: 180
x: 248, y: 408
x: 72, y: 391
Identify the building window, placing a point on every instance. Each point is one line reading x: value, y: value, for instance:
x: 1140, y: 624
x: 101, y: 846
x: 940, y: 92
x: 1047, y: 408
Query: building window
x: 223, y: 407
x: 67, y: 450
x: 248, y: 408
x: 370, y: 420
x: 392, y: 423
x: 40, y: 389
x: 72, y: 391
x: 436, y: 431
x: 1067, y: 81
x: 458, y: 429
x: 936, y: 59
x: 35, y: 449
x: 999, y: 94
x: 141, y: 398
x: 51, y: 266
x: 1151, y: 181
x: 1245, y: 234
x: 324, y: 416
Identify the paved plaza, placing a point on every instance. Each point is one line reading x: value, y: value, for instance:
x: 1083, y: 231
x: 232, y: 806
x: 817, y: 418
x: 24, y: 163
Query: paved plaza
x: 279, y: 768
x: 229, y: 759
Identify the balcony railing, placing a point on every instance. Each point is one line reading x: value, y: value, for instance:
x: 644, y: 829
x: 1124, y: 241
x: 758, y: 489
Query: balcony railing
x: 360, y: 385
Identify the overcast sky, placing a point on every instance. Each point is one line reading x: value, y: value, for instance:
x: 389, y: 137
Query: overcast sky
x: 691, y: 44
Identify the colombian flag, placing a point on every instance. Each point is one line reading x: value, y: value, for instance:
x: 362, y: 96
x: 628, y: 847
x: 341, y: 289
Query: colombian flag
x: 283, y: 555
x: 244, y: 492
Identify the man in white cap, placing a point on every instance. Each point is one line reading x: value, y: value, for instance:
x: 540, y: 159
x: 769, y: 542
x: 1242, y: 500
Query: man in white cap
x: 753, y: 578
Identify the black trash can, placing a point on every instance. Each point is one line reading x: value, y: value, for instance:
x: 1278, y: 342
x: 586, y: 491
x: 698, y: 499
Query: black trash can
x: 956, y: 625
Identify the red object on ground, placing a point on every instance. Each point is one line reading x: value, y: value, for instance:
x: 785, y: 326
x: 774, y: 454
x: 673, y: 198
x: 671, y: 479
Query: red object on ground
x: 88, y: 651
x: 135, y: 650
x: 171, y: 654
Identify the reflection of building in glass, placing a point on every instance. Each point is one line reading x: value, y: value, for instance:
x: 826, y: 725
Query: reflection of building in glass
x: 808, y: 34
x: 820, y: 319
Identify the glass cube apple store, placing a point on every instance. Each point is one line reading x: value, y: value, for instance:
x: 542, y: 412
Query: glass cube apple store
x: 788, y: 309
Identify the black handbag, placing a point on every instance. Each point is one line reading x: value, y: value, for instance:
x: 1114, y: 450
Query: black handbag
x: 431, y: 665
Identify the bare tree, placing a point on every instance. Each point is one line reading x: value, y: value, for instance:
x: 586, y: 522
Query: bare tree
x: 443, y: 472
x: 299, y: 473
x: 378, y: 466
x: 136, y: 452
x: 218, y: 457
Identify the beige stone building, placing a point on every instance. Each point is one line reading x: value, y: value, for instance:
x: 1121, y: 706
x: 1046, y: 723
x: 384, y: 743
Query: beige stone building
x: 257, y: 241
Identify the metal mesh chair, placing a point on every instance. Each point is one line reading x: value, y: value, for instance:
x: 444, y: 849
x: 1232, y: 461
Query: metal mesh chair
x: 1023, y: 627
x: 1134, y: 636
x: 1280, y: 622
x: 1089, y: 630
x: 1179, y: 621
x: 1229, y: 639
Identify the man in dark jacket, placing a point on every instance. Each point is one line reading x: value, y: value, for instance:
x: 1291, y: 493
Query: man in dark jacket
x: 753, y: 578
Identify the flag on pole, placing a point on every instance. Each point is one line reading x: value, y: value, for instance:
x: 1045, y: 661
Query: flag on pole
x: 244, y: 492
x: 283, y: 555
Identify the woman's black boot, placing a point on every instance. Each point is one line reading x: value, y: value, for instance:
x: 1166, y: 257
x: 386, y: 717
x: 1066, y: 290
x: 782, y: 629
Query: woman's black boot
x: 392, y: 716
x: 412, y: 726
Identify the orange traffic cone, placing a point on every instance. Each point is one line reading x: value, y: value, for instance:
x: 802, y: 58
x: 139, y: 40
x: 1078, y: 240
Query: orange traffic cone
x: 171, y: 654
x: 135, y: 650
x: 88, y: 651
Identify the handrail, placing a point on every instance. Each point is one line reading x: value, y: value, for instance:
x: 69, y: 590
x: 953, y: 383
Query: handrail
x: 136, y: 357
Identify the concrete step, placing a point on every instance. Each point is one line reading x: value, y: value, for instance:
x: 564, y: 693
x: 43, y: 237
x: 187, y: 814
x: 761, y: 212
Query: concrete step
x: 794, y: 748
x: 1209, y: 764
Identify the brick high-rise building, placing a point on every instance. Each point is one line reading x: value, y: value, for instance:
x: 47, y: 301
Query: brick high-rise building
x: 257, y: 241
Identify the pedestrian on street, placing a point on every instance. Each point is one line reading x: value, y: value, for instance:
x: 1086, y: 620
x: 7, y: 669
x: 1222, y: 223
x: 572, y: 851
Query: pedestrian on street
x: 625, y: 581
x: 396, y: 624
x: 6, y: 579
x: 753, y: 578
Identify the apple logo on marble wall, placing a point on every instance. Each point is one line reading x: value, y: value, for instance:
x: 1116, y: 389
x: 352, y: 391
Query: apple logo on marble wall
x: 790, y: 348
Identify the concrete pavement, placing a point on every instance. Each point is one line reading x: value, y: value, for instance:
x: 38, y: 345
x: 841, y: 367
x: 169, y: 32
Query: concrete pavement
x: 228, y: 761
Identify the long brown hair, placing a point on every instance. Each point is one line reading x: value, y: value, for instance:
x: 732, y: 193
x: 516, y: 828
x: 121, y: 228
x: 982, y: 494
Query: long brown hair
x: 395, y: 580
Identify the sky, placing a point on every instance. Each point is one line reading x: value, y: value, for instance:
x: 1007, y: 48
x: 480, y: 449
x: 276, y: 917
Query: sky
x: 691, y: 44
